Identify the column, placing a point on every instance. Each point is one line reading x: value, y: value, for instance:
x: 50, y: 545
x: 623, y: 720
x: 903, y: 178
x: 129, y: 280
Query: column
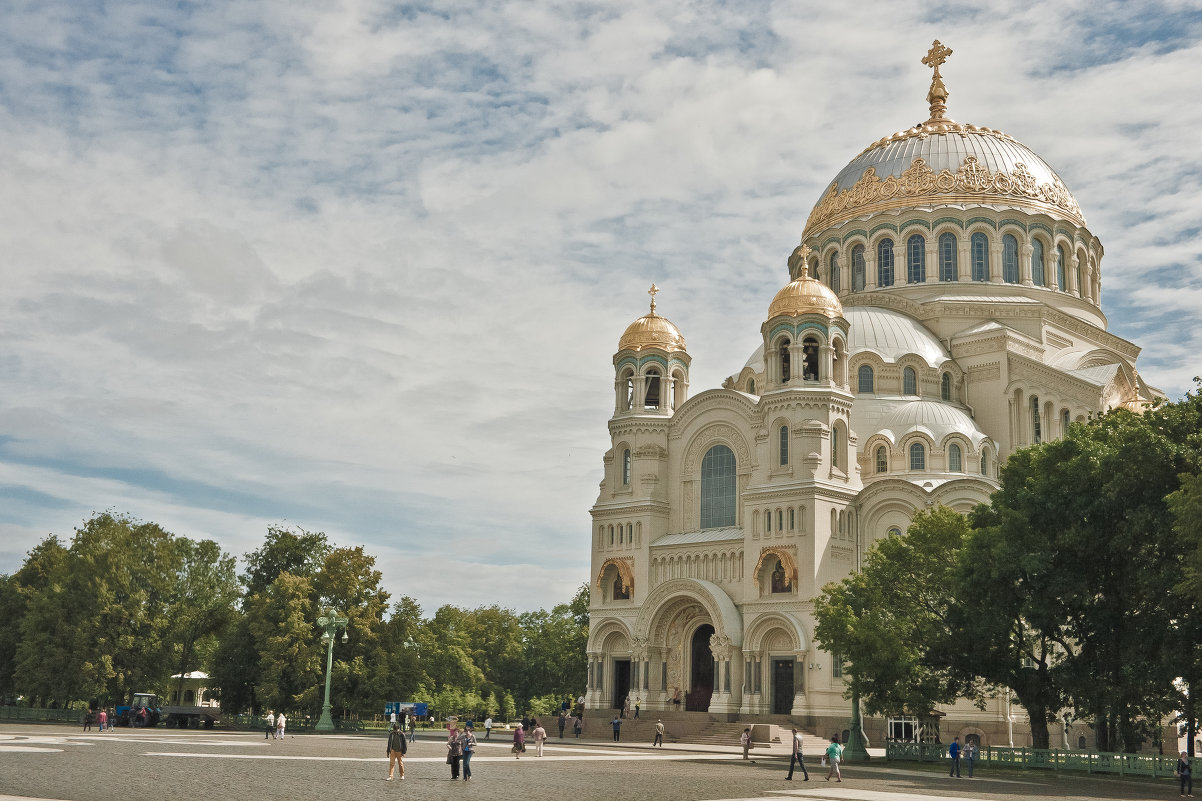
x: 964, y: 259
x: 932, y: 260
x: 826, y: 364
x: 995, y: 259
x: 1024, y: 264
x: 869, y: 269
x: 1070, y: 274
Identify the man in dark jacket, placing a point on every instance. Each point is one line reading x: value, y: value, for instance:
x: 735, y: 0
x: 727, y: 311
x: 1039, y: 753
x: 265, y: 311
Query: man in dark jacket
x: 397, y: 746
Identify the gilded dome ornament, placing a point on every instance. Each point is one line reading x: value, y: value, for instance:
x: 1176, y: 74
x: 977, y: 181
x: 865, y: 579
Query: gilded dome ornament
x: 977, y: 166
x: 652, y: 331
x: 804, y: 294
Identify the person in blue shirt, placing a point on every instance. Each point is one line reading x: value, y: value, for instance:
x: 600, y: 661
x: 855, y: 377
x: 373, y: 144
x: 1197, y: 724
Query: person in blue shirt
x: 953, y: 751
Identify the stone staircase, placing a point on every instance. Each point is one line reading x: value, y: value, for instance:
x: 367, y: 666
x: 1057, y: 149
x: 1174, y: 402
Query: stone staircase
x: 693, y: 727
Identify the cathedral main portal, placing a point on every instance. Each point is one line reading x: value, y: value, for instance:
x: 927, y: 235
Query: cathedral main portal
x: 701, y: 678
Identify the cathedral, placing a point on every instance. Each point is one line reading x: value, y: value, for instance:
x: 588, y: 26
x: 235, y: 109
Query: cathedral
x: 942, y: 311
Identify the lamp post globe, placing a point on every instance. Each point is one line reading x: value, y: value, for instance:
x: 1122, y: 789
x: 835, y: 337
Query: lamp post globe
x: 330, y: 623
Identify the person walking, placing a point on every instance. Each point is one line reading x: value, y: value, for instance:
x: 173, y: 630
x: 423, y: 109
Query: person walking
x: 638, y: 703
x: 617, y: 724
x: 280, y: 723
x: 413, y: 728
x: 102, y: 719
x: 834, y: 753
x: 797, y: 758
x: 467, y: 744
x: 563, y: 722
x: 953, y: 751
x: 1184, y: 774
x: 87, y: 720
x: 539, y: 734
x: 454, y: 751
x: 270, y: 721
x: 396, y: 749
x: 578, y: 726
x: 625, y: 708
x: 970, y: 756
x: 519, y: 742
x: 488, y: 727
x: 659, y: 734
x: 745, y: 741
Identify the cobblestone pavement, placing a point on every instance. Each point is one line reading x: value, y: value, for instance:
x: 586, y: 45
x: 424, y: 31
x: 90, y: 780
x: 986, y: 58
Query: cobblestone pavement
x: 61, y: 762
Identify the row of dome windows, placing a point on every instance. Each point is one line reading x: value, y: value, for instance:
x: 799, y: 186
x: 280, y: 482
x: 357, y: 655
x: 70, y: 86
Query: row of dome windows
x: 918, y: 459
x: 866, y: 382
x: 948, y: 255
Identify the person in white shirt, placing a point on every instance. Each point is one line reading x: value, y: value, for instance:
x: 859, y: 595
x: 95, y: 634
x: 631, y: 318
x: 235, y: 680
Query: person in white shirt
x: 280, y: 721
x: 270, y: 730
x: 487, y: 727
x: 797, y: 757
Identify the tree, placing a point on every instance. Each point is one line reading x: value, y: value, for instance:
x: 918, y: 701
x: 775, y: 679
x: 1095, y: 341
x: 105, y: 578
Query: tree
x: 34, y: 576
x: 290, y: 660
x: 204, y: 604
x: 890, y: 622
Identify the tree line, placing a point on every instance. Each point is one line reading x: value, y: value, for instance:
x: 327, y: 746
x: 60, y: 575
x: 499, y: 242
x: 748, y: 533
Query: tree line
x: 1077, y: 588
x: 126, y: 604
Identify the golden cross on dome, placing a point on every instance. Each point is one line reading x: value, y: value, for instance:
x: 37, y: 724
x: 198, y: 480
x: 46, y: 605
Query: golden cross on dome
x: 654, y: 289
x: 799, y: 262
x: 937, y: 97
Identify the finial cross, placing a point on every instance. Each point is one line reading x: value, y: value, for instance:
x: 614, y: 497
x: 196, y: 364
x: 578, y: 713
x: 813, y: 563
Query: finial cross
x: 652, y: 291
x: 799, y: 262
x: 936, y: 56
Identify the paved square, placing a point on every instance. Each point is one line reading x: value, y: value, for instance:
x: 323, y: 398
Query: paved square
x: 63, y: 763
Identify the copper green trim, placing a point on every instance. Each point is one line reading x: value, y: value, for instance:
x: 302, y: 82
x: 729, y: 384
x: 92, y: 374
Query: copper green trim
x: 1012, y: 221
x: 985, y: 220
x: 943, y: 220
x: 855, y: 232
x: 882, y: 226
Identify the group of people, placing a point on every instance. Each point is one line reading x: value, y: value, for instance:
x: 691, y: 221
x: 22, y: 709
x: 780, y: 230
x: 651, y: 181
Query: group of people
x: 957, y: 752
x: 274, y: 725
x: 103, y: 718
x: 833, y: 756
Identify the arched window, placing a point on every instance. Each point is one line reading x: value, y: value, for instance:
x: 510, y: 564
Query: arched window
x: 884, y: 262
x: 984, y: 463
x: 792, y: 519
x: 718, y: 487
x: 980, y: 257
x: 651, y: 398
x: 949, y: 268
x: 894, y: 531
x: 857, y: 268
x: 864, y: 374
x: 918, y: 456
x: 1038, y: 276
x: 1061, y: 260
x: 784, y: 445
x: 916, y: 259
x: 611, y: 535
x: 785, y: 367
x: 621, y: 534
x: 882, y: 460
x: 1036, y: 428
x: 1080, y: 286
x: 628, y: 394
x: 809, y: 359
x: 1065, y: 422
x: 768, y: 521
x: 945, y: 386
x: 626, y: 468
x: 836, y: 447
x: 780, y: 520
x: 1009, y: 259
x: 953, y: 458
x: 835, y: 278
x: 751, y: 386
x: 909, y: 381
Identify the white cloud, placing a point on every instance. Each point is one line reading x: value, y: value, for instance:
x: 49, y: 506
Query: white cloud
x: 363, y: 266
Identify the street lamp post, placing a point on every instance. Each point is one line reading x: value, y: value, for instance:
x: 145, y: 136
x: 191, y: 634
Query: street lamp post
x: 330, y: 622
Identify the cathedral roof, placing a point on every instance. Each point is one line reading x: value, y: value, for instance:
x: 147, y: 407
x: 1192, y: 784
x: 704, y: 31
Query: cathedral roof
x: 938, y: 162
x: 936, y: 419
x: 804, y: 294
x: 891, y: 335
x: 652, y: 331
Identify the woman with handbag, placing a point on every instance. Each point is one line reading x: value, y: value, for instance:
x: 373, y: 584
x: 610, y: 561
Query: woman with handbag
x: 519, y: 742
x: 454, y: 751
x: 467, y: 743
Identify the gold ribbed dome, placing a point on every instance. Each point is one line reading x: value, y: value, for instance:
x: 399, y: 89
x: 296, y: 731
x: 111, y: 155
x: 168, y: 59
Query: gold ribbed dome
x: 652, y: 331
x: 804, y: 295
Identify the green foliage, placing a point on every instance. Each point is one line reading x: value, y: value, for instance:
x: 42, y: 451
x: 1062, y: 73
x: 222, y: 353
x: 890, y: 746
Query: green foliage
x: 890, y: 622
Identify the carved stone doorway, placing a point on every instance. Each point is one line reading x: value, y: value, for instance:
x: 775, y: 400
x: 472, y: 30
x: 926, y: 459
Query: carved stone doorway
x: 701, y: 676
x: 782, y: 686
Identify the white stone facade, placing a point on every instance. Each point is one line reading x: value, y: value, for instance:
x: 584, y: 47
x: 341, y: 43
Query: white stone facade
x: 722, y: 515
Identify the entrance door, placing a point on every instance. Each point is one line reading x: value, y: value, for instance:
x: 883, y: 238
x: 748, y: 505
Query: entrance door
x: 782, y: 686
x: 701, y: 684
x: 621, y: 681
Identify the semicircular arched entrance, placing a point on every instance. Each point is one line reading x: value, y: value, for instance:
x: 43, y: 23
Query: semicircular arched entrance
x: 689, y: 637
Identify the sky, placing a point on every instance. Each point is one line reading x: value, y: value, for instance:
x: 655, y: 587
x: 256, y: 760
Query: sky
x: 361, y: 267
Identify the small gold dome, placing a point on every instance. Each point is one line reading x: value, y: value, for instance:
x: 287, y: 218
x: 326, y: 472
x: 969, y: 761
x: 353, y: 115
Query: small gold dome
x: 652, y: 331
x: 804, y: 295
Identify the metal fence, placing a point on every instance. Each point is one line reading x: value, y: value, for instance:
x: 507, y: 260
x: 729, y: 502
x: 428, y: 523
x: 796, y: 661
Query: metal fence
x: 41, y: 715
x: 1043, y: 759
